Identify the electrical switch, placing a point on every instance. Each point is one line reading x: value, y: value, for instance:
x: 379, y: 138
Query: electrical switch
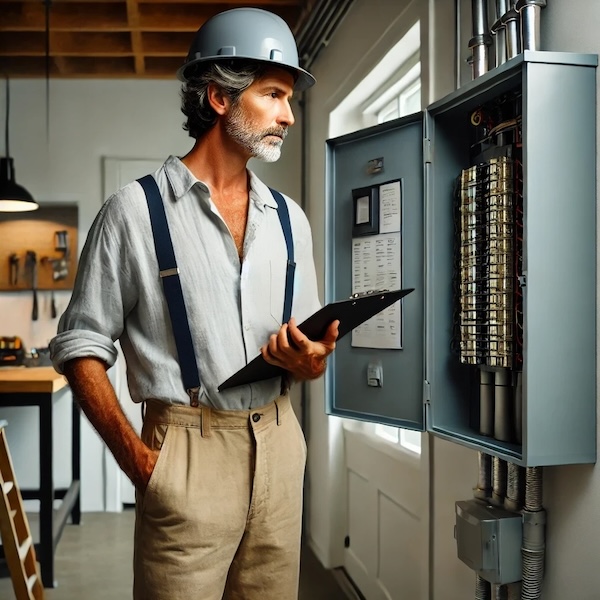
x: 375, y: 374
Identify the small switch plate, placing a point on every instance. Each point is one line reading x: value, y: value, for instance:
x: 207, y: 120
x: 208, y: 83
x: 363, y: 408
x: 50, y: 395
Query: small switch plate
x: 375, y: 374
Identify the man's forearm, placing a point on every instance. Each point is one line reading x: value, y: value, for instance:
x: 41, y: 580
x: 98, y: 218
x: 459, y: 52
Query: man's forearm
x: 96, y: 396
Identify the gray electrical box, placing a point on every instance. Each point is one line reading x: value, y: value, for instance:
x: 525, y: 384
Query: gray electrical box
x: 488, y: 540
x: 410, y: 168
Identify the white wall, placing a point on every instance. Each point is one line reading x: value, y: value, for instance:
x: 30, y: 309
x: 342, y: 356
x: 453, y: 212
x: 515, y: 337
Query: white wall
x: 366, y: 34
x: 89, y: 120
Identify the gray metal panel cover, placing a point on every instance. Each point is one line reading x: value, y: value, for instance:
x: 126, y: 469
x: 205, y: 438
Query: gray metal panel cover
x: 400, y: 400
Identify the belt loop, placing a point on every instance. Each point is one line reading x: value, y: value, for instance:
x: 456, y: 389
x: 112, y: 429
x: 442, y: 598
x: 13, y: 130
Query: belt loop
x: 277, y: 412
x: 205, y: 421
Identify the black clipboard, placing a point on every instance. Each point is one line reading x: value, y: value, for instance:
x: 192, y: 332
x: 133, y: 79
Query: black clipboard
x: 351, y: 313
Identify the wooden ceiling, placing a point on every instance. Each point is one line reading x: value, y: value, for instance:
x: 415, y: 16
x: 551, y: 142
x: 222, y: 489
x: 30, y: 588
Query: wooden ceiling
x: 113, y: 38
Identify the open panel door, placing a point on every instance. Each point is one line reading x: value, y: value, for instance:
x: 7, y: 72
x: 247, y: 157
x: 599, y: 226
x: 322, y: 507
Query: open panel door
x: 375, y: 225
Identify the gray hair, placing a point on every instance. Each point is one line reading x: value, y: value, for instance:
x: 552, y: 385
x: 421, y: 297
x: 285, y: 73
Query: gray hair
x: 233, y: 77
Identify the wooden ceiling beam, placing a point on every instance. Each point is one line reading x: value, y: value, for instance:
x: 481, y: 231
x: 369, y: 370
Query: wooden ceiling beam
x: 113, y: 16
x: 64, y: 43
x: 133, y: 18
x: 111, y: 38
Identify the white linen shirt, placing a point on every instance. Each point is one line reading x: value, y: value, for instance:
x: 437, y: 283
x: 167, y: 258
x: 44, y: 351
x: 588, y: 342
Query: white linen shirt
x: 232, y: 307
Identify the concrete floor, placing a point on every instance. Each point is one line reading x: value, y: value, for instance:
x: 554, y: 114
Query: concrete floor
x: 93, y: 562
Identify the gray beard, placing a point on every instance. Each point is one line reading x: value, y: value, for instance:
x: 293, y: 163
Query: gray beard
x: 240, y: 129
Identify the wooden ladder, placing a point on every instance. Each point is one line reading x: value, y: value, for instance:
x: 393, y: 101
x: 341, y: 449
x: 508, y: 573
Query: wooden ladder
x: 17, y: 541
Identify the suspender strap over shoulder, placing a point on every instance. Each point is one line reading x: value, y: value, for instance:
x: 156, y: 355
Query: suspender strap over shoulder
x: 284, y: 218
x: 169, y: 273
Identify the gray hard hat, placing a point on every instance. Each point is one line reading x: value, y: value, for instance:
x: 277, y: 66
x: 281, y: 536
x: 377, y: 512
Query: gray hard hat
x: 247, y: 33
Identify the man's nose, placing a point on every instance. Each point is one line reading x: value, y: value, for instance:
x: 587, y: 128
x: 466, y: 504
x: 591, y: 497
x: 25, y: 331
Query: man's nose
x: 286, y: 116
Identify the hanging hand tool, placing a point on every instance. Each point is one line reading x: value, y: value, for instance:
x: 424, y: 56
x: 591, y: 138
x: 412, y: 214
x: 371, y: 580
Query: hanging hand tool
x: 31, y: 261
x: 61, y: 244
x: 53, y: 311
x: 13, y: 261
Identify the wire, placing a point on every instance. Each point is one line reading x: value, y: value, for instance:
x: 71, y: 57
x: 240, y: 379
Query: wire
x: 47, y: 5
x: 7, y: 113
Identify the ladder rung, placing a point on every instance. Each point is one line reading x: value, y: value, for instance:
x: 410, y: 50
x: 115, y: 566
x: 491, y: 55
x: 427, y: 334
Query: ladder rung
x: 25, y: 547
x: 31, y: 581
x: 8, y: 485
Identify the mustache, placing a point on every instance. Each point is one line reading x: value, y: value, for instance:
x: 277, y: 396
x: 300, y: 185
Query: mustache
x: 278, y: 131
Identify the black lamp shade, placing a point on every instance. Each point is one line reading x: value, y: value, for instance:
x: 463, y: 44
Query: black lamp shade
x: 13, y: 197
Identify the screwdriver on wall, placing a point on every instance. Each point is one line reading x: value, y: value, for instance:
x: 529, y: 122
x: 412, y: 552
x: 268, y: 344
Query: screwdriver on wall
x: 32, y: 263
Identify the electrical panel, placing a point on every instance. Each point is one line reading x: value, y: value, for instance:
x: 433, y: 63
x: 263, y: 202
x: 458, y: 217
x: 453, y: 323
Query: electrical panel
x: 485, y: 205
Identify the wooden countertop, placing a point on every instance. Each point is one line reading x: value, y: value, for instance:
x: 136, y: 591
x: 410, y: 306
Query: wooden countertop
x: 30, y: 379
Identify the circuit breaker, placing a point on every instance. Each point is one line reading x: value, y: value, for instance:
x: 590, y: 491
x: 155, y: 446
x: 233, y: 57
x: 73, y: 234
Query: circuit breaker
x: 485, y: 205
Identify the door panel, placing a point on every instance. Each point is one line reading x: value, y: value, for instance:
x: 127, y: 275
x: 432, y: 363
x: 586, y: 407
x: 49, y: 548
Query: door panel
x: 387, y: 519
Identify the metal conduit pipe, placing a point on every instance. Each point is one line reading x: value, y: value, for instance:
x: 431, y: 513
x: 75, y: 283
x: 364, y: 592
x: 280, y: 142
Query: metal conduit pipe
x: 326, y: 13
x: 501, y: 592
x: 511, y: 25
x: 514, y: 491
x: 486, y: 402
x: 515, y: 477
x: 499, y: 32
x: 483, y: 589
x: 499, y: 469
x: 484, y: 480
x: 503, y: 406
x: 534, y: 535
x: 530, y: 11
x: 481, y: 39
x: 318, y: 29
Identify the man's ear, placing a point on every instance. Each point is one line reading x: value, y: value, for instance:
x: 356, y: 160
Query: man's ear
x: 219, y: 102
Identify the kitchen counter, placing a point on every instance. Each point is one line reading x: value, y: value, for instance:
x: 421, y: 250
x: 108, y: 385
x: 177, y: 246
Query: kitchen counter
x: 41, y: 387
x: 30, y: 379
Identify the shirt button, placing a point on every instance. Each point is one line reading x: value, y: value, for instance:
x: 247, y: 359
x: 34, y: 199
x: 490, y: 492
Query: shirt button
x: 256, y: 417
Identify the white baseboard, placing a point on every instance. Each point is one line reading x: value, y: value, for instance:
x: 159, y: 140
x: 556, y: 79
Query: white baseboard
x: 346, y: 584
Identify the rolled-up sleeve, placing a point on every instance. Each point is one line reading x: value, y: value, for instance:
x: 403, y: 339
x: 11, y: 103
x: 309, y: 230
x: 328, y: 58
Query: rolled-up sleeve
x: 103, y: 293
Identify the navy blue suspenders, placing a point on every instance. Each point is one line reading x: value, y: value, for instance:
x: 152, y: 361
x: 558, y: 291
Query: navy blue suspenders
x: 169, y: 274
x: 284, y: 218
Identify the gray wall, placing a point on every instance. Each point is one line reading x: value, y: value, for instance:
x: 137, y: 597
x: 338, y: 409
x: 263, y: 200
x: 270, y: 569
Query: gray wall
x: 571, y: 493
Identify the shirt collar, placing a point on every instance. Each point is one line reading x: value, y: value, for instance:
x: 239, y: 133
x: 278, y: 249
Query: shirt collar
x: 182, y: 181
x: 181, y: 178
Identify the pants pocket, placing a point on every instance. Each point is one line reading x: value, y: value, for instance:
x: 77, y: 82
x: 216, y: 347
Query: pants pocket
x: 159, y: 440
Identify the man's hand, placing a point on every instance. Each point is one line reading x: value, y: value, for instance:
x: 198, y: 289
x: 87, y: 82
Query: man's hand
x: 293, y: 351
x: 94, y: 393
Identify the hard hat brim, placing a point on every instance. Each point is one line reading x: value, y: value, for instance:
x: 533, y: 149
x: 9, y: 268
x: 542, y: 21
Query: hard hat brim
x: 304, y: 79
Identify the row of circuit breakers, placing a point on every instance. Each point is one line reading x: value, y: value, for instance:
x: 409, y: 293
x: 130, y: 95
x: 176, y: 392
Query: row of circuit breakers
x: 488, y: 278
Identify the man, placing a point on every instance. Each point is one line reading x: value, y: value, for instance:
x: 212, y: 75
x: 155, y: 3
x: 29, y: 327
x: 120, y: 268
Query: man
x: 218, y: 474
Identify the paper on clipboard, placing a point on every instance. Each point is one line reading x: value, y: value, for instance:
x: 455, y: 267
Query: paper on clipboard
x: 351, y: 313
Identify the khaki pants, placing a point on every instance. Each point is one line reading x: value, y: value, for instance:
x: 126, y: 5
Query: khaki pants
x: 221, y: 516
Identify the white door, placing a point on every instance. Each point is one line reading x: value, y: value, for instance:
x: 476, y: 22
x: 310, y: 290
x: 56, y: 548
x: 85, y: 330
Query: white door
x: 387, y: 496
x: 118, y: 489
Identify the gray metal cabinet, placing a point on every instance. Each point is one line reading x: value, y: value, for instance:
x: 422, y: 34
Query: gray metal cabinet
x: 425, y: 385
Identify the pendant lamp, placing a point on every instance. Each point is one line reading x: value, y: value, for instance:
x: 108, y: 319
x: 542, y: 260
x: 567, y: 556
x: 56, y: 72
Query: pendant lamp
x: 13, y: 197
